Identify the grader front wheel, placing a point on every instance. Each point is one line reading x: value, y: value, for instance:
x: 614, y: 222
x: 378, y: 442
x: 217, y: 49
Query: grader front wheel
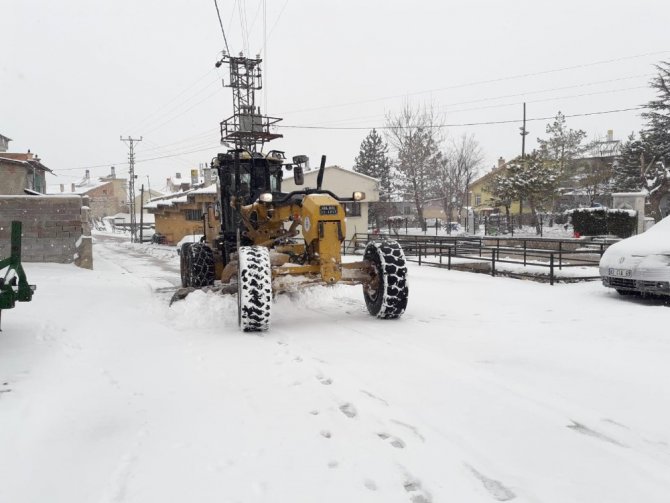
x: 387, y: 291
x: 254, y: 288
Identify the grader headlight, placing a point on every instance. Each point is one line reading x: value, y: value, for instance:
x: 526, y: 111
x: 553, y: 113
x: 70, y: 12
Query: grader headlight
x: 358, y: 196
x: 265, y: 197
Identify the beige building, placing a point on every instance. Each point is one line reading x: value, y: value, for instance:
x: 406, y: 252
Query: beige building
x: 343, y: 183
x: 180, y: 214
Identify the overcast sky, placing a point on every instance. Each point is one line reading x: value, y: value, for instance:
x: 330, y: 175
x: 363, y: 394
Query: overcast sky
x: 75, y: 75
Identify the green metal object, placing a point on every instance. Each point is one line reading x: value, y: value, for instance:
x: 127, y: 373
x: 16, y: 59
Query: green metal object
x: 14, y: 286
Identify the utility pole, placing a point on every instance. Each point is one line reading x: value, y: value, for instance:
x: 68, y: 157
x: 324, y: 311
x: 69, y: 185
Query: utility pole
x: 524, y: 133
x: 142, y: 214
x: 131, y: 185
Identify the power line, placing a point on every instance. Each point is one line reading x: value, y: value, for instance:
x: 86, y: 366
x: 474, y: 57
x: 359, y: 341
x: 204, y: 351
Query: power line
x: 486, y: 123
x: 480, y: 82
x: 278, y: 18
x: 223, y: 32
x: 180, y: 94
x: 438, y: 126
x: 502, y: 105
x: 141, y: 160
x: 216, y: 91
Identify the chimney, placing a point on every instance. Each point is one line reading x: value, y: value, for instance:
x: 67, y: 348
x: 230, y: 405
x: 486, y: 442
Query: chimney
x: 112, y: 172
x: 501, y: 162
x: 207, y: 177
x: 610, y: 135
x: 177, y: 176
x: 87, y: 176
x: 72, y: 187
x: 62, y: 187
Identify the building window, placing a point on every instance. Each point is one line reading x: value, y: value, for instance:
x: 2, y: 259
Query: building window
x: 352, y: 209
x: 407, y: 210
x: 478, y: 199
x: 193, y: 214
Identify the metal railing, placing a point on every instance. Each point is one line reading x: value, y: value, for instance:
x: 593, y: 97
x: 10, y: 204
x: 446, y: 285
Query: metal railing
x: 552, y: 254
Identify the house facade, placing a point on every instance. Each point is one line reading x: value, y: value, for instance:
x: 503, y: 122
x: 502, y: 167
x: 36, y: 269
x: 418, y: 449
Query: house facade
x: 22, y: 173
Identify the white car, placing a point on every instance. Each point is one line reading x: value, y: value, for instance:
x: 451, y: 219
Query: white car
x: 639, y: 264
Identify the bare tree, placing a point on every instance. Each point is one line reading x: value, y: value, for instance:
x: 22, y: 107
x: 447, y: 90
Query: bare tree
x: 415, y: 136
x: 457, y: 167
x: 467, y: 159
x: 595, y: 171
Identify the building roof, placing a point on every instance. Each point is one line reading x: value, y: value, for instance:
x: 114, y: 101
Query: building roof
x: 25, y: 160
x: 495, y: 171
x: 340, y: 168
x: 179, y: 197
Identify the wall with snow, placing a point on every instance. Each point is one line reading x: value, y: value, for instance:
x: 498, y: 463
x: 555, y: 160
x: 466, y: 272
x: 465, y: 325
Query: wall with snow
x: 55, y: 228
x: 631, y: 201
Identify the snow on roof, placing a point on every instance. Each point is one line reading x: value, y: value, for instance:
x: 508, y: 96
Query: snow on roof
x: 80, y: 188
x: 340, y: 168
x: 210, y: 189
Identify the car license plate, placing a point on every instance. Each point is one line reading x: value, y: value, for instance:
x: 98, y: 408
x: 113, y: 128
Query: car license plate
x: 622, y: 273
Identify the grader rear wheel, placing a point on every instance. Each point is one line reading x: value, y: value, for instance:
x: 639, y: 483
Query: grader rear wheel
x: 387, y: 292
x: 201, y: 265
x: 185, y: 264
x: 254, y: 288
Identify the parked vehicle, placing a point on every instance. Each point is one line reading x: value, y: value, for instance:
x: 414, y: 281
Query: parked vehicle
x: 640, y: 264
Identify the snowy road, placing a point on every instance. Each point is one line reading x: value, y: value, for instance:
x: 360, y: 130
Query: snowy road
x: 488, y: 389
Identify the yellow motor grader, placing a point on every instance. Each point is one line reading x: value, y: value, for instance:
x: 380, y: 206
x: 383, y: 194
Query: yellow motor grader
x: 260, y: 241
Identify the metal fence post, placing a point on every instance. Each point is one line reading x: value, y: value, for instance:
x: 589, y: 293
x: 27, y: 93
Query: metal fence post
x: 419, y: 249
x: 524, y: 253
x: 560, y: 255
x: 493, y: 262
x: 551, y: 268
x: 449, y: 258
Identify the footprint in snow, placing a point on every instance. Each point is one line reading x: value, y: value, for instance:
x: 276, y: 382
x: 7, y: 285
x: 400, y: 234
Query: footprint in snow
x: 326, y: 381
x: 370, y: 484
x: 418, y: 495
x: 396, y: 442
x: 325, y: 434
x: 348, y: 410
x: 494, y: 487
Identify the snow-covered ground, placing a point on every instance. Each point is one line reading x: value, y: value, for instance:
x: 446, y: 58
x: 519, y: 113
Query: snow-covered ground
x: 488, y: 389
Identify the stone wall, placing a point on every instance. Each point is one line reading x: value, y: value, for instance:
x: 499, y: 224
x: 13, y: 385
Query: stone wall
x: 54, y: 228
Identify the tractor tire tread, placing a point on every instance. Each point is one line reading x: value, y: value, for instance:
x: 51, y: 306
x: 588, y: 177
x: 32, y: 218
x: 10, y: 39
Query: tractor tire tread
x: 255, y: 288
x: 389, y: 262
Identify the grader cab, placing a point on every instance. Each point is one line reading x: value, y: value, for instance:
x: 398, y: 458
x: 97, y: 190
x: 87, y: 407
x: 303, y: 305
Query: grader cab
x: 270, y: 241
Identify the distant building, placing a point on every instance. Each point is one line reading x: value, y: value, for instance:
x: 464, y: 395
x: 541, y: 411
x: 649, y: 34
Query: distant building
x: 108, y: 195
x: 181, y: 214
x: 21, y: 173
x: 4, y: 143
